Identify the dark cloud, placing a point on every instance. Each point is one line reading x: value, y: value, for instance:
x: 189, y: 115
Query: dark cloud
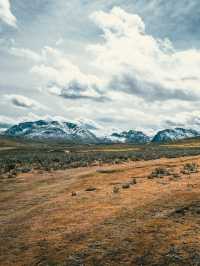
x: 76, y: 90
x: 19, y: 103
x: 150, y: 91
x: 82, y: 97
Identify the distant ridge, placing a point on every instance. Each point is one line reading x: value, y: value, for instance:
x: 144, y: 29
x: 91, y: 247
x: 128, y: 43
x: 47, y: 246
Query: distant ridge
x: 130, y: 136
x: 175, y: 134
x: 71, y: 132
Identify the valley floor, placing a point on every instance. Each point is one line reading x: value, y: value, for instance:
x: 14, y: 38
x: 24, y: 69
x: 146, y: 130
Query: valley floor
x: 73, y: 217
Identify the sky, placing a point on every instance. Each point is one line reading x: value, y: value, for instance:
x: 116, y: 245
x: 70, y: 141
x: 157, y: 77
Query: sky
x: 109, y: 64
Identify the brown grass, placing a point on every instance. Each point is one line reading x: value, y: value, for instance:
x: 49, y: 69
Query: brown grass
x: 151, y: 223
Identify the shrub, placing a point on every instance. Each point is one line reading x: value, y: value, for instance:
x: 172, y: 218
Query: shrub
x: 115, y: 189
x: 189, y: 168
x: 159, y: 173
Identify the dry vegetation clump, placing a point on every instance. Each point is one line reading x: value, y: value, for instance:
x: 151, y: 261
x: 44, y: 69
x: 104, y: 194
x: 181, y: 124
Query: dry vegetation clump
x: 159, y: 172
x: 190, y: 168
x: 116, y: 189
x: 52, y: 156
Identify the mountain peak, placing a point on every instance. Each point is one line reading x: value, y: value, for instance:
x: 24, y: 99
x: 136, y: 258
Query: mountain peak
x: 175, y: 134
x: 130, y: 136
x: 42, y: 129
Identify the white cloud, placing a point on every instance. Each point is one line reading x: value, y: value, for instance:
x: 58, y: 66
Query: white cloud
x: 59, y: 42
x: 62, y: 77
x: 150, y: 84
x: 58, y: 75
x: 25, y: 53
x: 127, y: 51
x: 5, y: 13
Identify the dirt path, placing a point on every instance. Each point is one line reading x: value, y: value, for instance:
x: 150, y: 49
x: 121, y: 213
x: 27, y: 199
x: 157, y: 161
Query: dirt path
x: 154, y: 222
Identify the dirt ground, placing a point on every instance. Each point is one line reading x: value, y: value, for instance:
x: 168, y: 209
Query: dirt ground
x: 74, y: 218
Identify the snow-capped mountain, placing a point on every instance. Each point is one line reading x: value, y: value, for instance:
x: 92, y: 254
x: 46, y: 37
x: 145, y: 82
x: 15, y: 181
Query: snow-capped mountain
x: 175, y: 134
x: 77, y: 133
x: 130, y: 136
x: 52, y: 130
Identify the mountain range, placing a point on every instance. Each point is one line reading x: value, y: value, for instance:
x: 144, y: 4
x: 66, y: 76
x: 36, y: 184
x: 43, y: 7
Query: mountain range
x: 52, y: 130
x: 75, y: 133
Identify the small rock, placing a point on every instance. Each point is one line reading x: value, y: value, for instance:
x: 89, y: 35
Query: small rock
x: 74, y: 194
x: 91, y: 189
x: 126, y: 186
x: 133, y: 181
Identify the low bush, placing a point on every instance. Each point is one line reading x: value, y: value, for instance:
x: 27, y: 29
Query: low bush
x: 190, y: 168
x: 116, y: 190
x: 159, y: 173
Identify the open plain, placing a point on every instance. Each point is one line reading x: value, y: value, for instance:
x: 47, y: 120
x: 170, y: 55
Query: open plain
x: 142, y: 212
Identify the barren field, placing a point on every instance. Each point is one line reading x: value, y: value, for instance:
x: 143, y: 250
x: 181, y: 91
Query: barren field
x: 103, y: 215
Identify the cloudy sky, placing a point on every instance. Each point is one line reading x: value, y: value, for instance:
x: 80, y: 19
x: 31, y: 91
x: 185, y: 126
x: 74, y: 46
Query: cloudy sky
x: 125, y: 64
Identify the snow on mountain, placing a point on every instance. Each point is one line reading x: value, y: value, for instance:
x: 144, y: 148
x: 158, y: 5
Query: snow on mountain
x: 130, y: 136
x: 175, y: 134
x: 87, y: 133
x: 52, y: 130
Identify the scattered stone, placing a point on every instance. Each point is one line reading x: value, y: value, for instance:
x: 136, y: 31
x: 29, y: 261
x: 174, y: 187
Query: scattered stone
x: 133, y: 181
x: 150, y: 177
x: 126, y: 186
x: 90, y: 189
